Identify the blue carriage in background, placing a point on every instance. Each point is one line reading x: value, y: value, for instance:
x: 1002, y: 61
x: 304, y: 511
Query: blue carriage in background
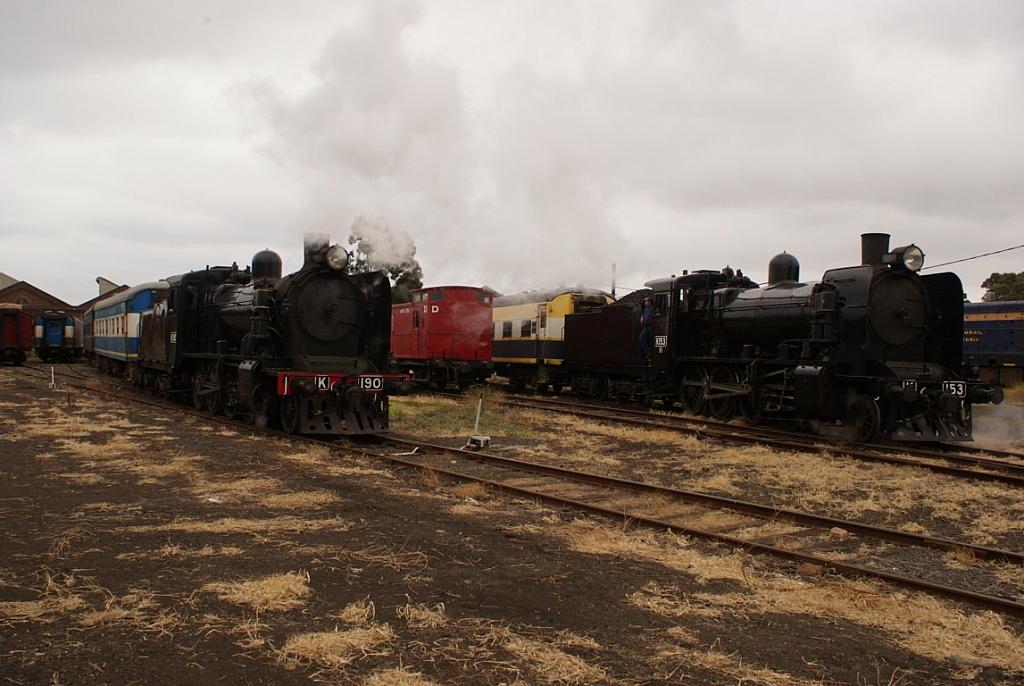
x: 994, y: 340
x: 57, y: 336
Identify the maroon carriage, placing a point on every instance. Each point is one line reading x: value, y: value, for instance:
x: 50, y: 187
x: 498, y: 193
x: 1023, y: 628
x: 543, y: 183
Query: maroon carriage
x: 16, y: 328
x: 443, y: 337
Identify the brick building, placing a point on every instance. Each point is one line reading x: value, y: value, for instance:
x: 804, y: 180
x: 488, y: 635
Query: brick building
x: 34, y: 299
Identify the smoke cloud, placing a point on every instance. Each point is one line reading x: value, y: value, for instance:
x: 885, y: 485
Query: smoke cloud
x: 677, y: 137
x: 383, y: 246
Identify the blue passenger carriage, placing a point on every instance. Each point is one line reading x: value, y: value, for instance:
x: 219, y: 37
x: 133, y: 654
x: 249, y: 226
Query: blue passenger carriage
x: 112, y: 327
x: 57, y: 336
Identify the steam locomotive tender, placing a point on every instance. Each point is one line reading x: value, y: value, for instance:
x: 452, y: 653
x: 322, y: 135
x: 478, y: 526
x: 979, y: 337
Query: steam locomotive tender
x: 875, y: 347
x: 305, y: 351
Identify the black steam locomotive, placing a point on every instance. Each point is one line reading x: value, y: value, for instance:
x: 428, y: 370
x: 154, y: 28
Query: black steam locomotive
x: 875, y: 347
x: 305, y: 351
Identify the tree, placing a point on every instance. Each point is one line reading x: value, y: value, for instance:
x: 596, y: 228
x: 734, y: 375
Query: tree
x: 1003, y: 286
x: 374, y: 245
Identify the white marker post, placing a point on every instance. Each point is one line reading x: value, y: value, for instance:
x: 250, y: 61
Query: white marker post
x: 476, y: 441
x: 53, y: 380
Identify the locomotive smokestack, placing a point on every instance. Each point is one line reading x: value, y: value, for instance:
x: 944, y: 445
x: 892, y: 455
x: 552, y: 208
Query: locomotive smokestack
x: 872, y: 247
x: 313, y: 245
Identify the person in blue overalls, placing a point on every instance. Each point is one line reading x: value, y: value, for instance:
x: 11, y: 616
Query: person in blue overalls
x: 646, y: 327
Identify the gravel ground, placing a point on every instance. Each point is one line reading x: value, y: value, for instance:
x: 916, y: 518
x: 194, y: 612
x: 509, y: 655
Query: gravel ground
x: 144, y: 546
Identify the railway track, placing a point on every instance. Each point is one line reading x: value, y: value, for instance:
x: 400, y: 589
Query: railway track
x: 950, y: 463
x: 829, y: 544
x: 959, y: 451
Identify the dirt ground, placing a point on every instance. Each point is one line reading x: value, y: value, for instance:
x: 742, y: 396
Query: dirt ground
x: 142, y: 546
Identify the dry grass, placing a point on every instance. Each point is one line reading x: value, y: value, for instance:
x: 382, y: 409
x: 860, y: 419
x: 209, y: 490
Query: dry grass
x: 471, y: 506
x: 568, y: 639
x: 250, y: 632
x: 45, y: 609
x: 397, y: 677
x: 421, y: 616
x: 299, y: 500
x: 237, y: 489
x: 234, y: 525
x: 137, y: 608
x: 469, y: 489
x: 549, y: 663
x: 434, y: 416
x: 83, y: 478
x: 589, y: 536
x: 62, y: 543
x: 923, y: 624
x: 271, y: 593
x: 358, y: 612
x: 397, y: 560
x: 177, y: 551
x: 328, y: 462
x: 335, y: 649
x: 679, y: 659
x: 668, y: 602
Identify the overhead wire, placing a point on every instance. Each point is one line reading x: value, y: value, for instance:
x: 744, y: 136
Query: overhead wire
x: 974, y: 257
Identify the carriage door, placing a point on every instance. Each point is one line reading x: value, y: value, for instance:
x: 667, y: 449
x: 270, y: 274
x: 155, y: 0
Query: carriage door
x: 53, y: 331
x: 420, y: 312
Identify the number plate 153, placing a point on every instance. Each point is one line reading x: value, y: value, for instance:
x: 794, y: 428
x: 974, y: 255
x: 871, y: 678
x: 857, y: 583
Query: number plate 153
x: 957, y: 388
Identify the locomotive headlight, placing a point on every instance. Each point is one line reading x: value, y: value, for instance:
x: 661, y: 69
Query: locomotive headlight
x: 913, y: 258
x: 337, y: 257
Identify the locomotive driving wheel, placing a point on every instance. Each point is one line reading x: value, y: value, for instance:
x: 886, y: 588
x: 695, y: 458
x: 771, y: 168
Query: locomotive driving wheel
x: 211, y: 401
x: 231, y: 400
x: 721, y: 407
x: 197, y: 393
x: 289, y: 414
x: 865, y: 418
x: 692, y: 395
x: 262, y: 401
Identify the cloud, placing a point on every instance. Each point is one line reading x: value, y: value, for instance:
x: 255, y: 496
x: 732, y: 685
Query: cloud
x: 521, y: 144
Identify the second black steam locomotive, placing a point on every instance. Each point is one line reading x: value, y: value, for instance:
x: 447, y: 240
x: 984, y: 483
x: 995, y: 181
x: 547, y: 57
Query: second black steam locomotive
x: 874, y: 347
x: 306, y: 351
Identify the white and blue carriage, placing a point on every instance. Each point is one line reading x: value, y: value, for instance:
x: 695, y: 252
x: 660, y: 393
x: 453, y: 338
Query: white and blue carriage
x: 112, y: 325
x: 57, y: 336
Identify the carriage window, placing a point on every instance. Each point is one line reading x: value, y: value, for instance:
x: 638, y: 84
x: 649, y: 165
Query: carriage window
x: 506, y: 329
x: 415, y: 319
x: 684, y: 302
x: 525, y: 328
x: 482, y: 297
x: 437, y: 295
x: 533, y: 326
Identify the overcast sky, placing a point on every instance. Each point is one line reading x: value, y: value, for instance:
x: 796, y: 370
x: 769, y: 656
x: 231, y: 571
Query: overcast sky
x: 519, y: 144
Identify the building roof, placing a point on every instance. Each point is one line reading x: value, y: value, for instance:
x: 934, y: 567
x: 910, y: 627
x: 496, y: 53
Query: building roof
x: 7, y: 294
